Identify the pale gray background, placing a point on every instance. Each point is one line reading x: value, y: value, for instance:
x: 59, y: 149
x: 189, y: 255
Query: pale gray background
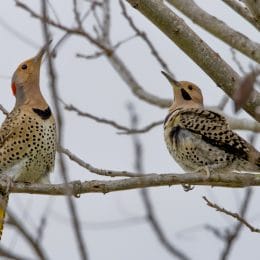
x: 94, y: 86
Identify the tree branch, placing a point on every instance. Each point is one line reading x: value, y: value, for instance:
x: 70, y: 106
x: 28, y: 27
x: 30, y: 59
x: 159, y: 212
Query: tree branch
x: 218, y: 28
x: 37, y: 247
x: 124, y: 129
x: 149, y: 208
x: 234, y: 215
x: 243, y: 11
x: 54, y: 91
x: 182, y: 35
x: 232, y: 180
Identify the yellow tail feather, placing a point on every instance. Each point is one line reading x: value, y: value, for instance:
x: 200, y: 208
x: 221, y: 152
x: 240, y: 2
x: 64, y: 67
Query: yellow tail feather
x: 3, y: 205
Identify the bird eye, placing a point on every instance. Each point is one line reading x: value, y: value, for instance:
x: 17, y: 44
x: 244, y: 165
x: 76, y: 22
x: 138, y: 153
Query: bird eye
x: 190, y: 87
x: 24, y: 66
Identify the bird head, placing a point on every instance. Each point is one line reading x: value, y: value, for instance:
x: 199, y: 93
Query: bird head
x: 25, y: 80
x: 186, y: 94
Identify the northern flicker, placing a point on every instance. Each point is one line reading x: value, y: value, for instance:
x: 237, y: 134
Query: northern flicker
x: 201, y: 140
x: 28, y: 134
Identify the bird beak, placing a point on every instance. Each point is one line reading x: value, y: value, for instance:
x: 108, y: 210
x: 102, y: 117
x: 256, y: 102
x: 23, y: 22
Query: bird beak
x: 173, y: 82
x: 38, y: 57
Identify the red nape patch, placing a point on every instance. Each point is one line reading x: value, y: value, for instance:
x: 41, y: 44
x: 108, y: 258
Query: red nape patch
x: 14, y: 89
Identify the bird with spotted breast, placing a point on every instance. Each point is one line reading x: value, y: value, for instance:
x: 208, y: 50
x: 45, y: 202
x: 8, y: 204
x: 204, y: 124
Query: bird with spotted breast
x: 201, y: 140
x: 28, y: 134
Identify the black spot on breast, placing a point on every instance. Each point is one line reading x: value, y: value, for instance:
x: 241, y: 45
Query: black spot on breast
x: 43, y: 114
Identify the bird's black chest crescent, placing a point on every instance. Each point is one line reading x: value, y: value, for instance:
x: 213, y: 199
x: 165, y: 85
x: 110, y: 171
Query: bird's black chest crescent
x: 43, y: 114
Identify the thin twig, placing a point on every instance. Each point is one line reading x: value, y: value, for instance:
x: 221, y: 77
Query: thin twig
x: 125, y: 130
x: 13, y: 220
x: 112, y: 49
x: 75, y: 220
x: 95, y: 170
x: 243, y: 11
x: 145, y: 38
x: 8, y: 254
x: 62, y: 27
x: 233, y: 235
x: 3, y: 110
x: 150, y: 211
x: 232, y: 214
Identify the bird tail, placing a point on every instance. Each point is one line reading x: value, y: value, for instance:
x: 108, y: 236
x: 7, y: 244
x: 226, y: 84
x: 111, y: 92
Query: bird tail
x: 3, y: 204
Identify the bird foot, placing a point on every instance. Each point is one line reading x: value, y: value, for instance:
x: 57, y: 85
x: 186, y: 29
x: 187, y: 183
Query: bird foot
x: 8, y: 180
x: 203, y: 170
x: 187, y: 187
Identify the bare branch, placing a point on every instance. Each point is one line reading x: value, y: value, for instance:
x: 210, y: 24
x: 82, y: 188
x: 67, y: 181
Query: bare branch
x: 234, y: 215
x: 54, y: 91
x: 125, y: 130
x: 13, y: 220
x: 233, y: 235
x: 218, y: 28
x: 231, y: 180
x: 150, y: 211
x: 100, y: 53
x: 217, y: 233
x: 8, y: 254
x: 3, y: 110
x: 49, y: 21
x: 243, y: 11
x: 17, y: 33
x: 144, y: 36
x: 238, y: 63
x: 115, y: 61
x: 178, y: 31
x: 93, y: 169
x: 137, y: 90
x: 254, y: 7
x: 76, y: 14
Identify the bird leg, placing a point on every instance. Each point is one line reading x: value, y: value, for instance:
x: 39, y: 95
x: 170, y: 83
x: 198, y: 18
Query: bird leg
x: 8, y: 180
x: 187, y: 187
x: 203, y: 170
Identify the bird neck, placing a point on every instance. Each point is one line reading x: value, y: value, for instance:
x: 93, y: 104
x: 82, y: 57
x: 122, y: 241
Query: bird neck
x: 30, y: 96
x: 184, y: 105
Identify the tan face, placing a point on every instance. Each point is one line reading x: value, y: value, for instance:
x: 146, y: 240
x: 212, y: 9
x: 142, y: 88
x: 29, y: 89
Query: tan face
x: 26, y: 72
x: 186, y: 91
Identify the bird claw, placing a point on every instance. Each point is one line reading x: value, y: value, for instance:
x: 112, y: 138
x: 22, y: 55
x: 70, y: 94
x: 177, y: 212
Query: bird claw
x: 7, y: 179
x: 203, y: 170
x: 187, y: 187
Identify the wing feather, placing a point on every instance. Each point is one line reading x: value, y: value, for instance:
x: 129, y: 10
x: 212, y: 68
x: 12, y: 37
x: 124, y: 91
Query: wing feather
x: 214, y: 129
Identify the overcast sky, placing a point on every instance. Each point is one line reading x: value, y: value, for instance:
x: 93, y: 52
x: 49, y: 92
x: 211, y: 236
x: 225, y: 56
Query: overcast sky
x: 113, y: 224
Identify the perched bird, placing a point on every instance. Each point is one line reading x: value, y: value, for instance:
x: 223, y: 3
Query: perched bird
x: 28, y: 134
x: 201, y: 140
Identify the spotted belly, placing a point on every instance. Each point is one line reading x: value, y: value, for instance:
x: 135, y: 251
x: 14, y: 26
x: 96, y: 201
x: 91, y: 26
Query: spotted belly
x: 191, y: 152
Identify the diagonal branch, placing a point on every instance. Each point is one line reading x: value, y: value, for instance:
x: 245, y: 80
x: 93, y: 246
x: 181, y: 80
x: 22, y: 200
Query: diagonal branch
x: 13, y: 220
x: 93, y: 169
x: 8, y: 254
x: 243, y: 11
x: 183, y: 36
x: 232, y: 214
x: 144, y: 36
x: 218, y: 28
x: 150, y: 211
